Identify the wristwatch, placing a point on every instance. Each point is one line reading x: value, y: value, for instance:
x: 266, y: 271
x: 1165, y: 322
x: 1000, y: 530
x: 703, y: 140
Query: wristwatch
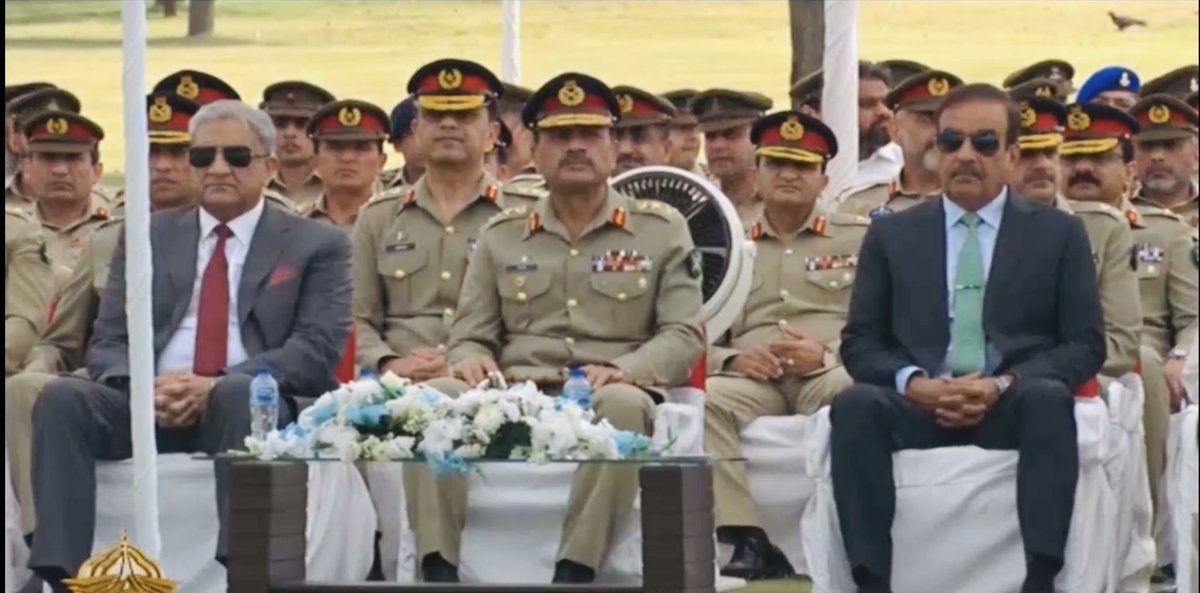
x: 1003, y: 382
x: 1177, y: 354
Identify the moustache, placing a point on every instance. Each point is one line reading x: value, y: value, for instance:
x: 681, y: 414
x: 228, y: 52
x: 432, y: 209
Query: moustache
x: 1081, y: 178
x: 574, y: 160
x: 967, y: 170
x: 1039, y: 176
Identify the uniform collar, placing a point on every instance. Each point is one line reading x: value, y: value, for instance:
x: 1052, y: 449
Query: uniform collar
x: 816, y: 224
x: 614, y: 213
x: 276, y: 182
x: 487, y: 189
x: 97, y: 210
x: 896, y: 188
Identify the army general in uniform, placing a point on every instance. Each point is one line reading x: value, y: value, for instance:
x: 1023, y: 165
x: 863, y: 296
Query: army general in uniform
x: 780, y: 355
x: 587, y: 277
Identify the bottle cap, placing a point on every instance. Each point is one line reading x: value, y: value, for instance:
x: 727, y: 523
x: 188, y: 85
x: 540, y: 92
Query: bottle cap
x: 577, y: 373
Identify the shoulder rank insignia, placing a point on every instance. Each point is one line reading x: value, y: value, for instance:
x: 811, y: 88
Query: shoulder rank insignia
x: 619, y: 217
x: 491, y: 192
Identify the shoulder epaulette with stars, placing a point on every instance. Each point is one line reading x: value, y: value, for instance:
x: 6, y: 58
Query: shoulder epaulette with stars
x: 506, y: 215
x: 844, y: 219
x: 388, y: 195
x: 1161, y: 213
x: 660, y: 209
x: 527, y: 192
x: 113, y: 221
x: 1097, y: 208
x: 19, y: 213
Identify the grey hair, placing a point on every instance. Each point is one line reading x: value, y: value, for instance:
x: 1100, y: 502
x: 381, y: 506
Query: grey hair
x: 259, y: 122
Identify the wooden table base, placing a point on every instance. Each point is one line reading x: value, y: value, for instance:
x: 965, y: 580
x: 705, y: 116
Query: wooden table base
x: 268, y: 513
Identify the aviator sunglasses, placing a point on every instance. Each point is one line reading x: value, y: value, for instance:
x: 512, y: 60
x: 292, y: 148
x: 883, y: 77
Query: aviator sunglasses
x: 238, y: 157
x: 985, y: 142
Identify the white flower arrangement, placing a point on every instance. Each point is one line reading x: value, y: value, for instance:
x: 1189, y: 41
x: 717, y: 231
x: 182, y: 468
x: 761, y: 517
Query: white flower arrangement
x: 390, y: 418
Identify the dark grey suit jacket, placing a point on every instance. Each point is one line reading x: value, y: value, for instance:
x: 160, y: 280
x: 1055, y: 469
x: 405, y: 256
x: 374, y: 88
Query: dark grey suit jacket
x: 1041, y: 312
x: 293, y: 300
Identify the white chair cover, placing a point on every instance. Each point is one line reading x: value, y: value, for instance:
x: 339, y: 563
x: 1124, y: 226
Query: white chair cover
x: 955, y: 507
x: 774, y: 448
x: 15, y: 552
x: 1125, y: 465
x: 1183, y: 496
x: 341, y: 523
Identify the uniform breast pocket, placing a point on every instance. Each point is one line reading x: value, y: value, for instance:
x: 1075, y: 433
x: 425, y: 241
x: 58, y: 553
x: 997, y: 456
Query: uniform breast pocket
x: 1149, y: 271
x: 522, y: 296
x: 401, y: 270
x: 832, y: 287
x: 627, y: 298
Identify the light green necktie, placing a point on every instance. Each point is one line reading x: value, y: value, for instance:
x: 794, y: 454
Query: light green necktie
x: 967, y: 343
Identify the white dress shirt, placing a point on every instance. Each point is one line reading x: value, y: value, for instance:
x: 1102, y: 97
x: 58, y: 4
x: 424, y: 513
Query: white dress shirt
x: 180, y: 352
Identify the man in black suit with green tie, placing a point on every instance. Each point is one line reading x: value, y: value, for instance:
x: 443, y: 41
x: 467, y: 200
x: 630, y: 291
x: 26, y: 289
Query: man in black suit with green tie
x: 974, y: 319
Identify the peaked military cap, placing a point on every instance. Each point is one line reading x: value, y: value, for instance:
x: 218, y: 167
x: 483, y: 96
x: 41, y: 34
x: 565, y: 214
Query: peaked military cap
x: 201, y: 87
x: 807, y: 90
x: 294, y: 98
x: 1060, y: 71
x: 1164, y: 117
x: 642, y: 108
x: 898, y: 70
x: 922, y: 92
x: 62, y: 132
x: 12, y: 91
x: 48, y: 99
x: 682, y: 100
x: 349, y: 119
x: 168, y: 116
x: 794, y: 136
x: 571, y: 99
x: 1179, y: 82
x: 454, y: 85
x: 515, y: 96
x: 721, y: 109
x: 1095, y: 128
x: 1035, y: 87
x: 1109, y: 78
x: 1042, y: 121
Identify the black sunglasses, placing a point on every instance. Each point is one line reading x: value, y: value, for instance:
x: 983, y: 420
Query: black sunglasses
x: 238, y: 157
x: 985, y: 142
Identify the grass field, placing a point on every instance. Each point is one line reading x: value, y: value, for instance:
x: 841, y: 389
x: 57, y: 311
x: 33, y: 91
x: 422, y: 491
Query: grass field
x: 367, y: 49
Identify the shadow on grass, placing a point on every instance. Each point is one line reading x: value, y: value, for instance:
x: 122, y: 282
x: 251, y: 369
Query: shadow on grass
x: 75, y: 43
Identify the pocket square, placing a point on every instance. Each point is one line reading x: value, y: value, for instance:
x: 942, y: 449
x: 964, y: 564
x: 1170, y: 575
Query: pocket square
x: 282, y: 275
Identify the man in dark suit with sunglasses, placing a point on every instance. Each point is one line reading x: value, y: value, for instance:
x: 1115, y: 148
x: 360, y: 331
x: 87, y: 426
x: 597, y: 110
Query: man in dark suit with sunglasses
x: 228, y: 300
x: 974, y: 319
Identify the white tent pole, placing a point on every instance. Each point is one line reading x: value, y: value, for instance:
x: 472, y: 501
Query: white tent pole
x: 138, y: 279
x: 510, y: 44
x: 839, y: 98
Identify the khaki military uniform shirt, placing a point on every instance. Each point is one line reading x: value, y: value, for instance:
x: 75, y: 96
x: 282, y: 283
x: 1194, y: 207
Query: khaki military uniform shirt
x: 803, y: 282
x: 882, y: 199
x: 318, y: 211
x: 1111, y: 240
x: 62, y: 346
x: 307, y: 193
x: 27, y: 287
x: 392, y: 179
x: 625, y: 293
x: 1164, y: 253
x: 1189, y: 211
x: 409, y: 266
x: 102, y: 196
x: 66, y: 243
x: 526, y: 183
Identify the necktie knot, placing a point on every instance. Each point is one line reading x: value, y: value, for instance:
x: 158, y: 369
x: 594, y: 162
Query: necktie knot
x: 223, y: 231
x: 970, y: 219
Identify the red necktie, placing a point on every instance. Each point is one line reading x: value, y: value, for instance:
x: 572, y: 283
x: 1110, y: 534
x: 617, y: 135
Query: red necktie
x: 212, y: 318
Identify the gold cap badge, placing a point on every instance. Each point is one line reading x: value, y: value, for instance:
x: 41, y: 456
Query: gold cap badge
x: 791, y: 129
x: 120, y: 569
x: 571, y: 95
x: 938, y: 86
x: 1044, y: 92
x: 188, y: 87
x: 450, y: 79
x: 350, y: 117
x: 1159, y: 114
x: 1028, y: 116
x: 625, y: 102
x: 57, y: 126
x: 1078, y: 120
x: 160, y: 111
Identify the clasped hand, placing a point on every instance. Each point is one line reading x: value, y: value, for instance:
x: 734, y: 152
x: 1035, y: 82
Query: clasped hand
x: 961, y: 402
x: 180, y: 398
x: 794, y: 355
x: 421, y: 364
x: 478, y: 370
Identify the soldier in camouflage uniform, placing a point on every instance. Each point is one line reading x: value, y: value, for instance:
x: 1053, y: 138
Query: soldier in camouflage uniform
x: 780, y: 356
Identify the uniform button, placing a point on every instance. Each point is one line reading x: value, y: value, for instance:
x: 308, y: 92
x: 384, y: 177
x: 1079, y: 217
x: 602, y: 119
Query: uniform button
x: 572, y: 303
x: 570, y: 341
x: 847, y: 277
x: 642, y: 282
x: 521, y: 296
x: 400, y: 236
x: 448, y: 312
x: 574, y: 253
x: 783, y: 323
x: 519, y: 281
x: 449, y: 230
x: 400, y: 274
x: 833, y: 283
x: 445, y: 275
x: 788, y: 251
x: 622, y: 297
x: 784, y: 293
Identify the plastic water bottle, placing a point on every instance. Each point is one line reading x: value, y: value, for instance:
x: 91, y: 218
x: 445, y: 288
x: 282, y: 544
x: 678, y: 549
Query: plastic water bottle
x: 368, y: 373
x: 264, y: 404
x: 577, y: 389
